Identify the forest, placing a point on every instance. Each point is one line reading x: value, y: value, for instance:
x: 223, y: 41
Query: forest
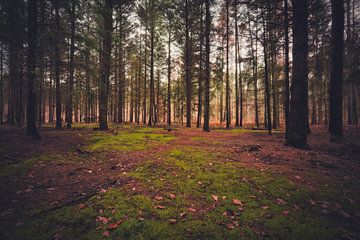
x: 179, y: 119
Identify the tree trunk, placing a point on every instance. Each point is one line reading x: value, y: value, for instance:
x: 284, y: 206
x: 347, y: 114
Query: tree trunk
x: 105, y: 58
x: 207, y: 67
x: 227, y: 85
x: 188, y: 84
x: 298, y: 129
x: 286, y: 70
x: 336, y: 74
x: 71, y: 67
x: 57, y: 66
x: 31, y: 63
x: 201, y: 70
x: 169, y: 79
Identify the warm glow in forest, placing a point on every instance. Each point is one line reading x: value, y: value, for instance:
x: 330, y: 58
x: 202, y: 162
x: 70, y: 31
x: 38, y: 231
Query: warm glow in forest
x: 179, y: 119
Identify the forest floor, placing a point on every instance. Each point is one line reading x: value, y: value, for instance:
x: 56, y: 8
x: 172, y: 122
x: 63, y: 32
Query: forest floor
x: 147, y: 183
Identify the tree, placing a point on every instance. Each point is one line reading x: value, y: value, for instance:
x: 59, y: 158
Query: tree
x: 71, y: 64
x: 286, y: 67
x: 297, y: 132
x: 336, y: 74
x: 57, y: 57
x: 31, y: 63
x: 105, y: 61
x: 207, y: 67
x: 228, y: 120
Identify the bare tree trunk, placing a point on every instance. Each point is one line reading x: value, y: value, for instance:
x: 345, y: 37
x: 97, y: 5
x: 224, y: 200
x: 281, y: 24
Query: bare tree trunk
x: 336, y: 74
x: 31, y: 63
x: 298, y: 129
x: 228, y: 120
x: 57, y: 67
x: 169, y: 79
x: 72, y: 67
x: 105, y: 58
x: 207, y: 67
x: 286, y: 70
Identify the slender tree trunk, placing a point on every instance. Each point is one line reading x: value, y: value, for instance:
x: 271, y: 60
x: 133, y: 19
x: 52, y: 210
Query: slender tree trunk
x: 152, y: 87
x: 105, y: 59
x: 201, y: 70
x: 188, y: 80
x: 228, y: 120
x: 72, y: 67
x: 1, y: 84
x: 145, y: 77
x: 169, y: 79
x: 57, y: 66
x: 298, y: 129
x: 336, y: 74
x: 266, y: 79
x: 31, y: 63
x: 286, y: 70
x: 237, y: 120
x: 207, y: 67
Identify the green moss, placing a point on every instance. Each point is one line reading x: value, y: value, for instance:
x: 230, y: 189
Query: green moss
x: 141, y: 139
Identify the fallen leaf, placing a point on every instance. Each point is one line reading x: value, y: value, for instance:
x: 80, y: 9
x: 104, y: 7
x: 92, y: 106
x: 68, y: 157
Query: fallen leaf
x: 215, y: 198
x: 114, y: 225
x: 265, y: 207
x: 159, y: 207
x: 172, y: 221
x: 280, y: 202
x: 237, y: 202
x: 158, y: 198
x: 286, y: 212
x: 345, y: 214
x: 298, y: 177
x: 172, y: 196
x: 106, y: 234
x: 312, y: 202
x: 104, y: 220
x: 190, y: 209
x: 183, y: 214
x: 230, y: 226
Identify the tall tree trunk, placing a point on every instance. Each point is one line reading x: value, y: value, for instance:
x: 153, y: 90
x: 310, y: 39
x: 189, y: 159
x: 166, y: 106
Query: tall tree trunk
x: 169, y: 79
x: 201, y: 70
x: 286, y: 70
x: 152, y: 87
x: 71, y: 67
x: 237, y: 120
x: 57, y: 66
x: 31, y: 63
x: 336, y: 74
x: 145, y: 77
x: 227, y: 85
x: 207, y: 67
x: 1, y: 84
x: 105, y: 58
x: 298, y: 129
x: 266, y: 77
x: 188, y: 81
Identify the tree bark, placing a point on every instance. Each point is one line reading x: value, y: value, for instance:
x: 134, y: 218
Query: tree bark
x: 71, y: 67
x: 298, y: 129
x: 31, y: 63
x: 336, y: 73
x: 207, y: 67
x: 105, y: 60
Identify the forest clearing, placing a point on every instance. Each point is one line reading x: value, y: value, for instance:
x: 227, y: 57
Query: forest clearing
x: 179, y: 119
x: 147, y: 183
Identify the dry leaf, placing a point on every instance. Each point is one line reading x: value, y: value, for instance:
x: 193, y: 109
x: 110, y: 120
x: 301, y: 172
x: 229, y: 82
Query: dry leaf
x: 280, y: 202
x: 190, y: 209
x: 172, y: 221
x: 172, y: 196
x: 230, y: 226
x: 104, y: 220
x: 215, y: 198
x: 237, y: 202
x: 158, y: 198
x: 106, y: 234
x: 265, y: 207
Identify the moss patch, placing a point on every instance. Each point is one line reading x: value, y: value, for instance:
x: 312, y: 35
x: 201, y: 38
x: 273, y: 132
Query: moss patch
x: 136, y: 140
